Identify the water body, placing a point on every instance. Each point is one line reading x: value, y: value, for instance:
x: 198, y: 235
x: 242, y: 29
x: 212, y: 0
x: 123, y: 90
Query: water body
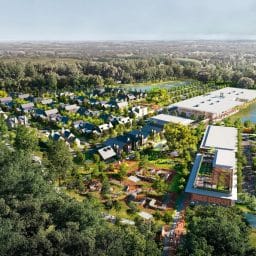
x: 251, y: 218
x: 145, y: 88
x: 247, y: 114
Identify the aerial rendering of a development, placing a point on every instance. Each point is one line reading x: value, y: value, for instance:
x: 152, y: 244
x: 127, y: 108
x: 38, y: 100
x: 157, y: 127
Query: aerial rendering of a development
x: 127, y: 128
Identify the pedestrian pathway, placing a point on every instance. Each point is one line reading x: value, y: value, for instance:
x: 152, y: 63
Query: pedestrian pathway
x: 171, y: 240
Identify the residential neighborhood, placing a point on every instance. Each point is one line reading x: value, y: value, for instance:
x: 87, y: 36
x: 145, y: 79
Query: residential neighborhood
x: 127, y: 128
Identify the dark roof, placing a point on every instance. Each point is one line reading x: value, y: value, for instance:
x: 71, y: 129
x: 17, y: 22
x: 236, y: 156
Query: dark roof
x: 147, y: 129
x: 134, y: 133
x: 80, y: 98
x: 105, y: 117
x: 63, y: 119
x: 39, y: 111
x: 66, y: 133
x: 120, y: 141
x: 55, y: 136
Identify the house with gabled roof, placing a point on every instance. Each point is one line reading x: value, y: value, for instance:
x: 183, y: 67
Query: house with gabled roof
x: 24, y: 96
x: 120, y: 143
x: 13, y: 122
x: 105, y: 127
x: 5, y: 100
x: 27, y: 107
x: 71, y: 108
x: 51, y: 112
x: 139, y: 111
x: 67, y: 136
x: 47, y: 101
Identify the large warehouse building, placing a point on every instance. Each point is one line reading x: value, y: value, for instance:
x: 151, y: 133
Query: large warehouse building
x: 217, y: 104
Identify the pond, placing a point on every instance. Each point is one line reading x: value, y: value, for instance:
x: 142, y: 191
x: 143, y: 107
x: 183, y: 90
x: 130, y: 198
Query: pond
x: 160, y: 85
x: 247, y: 114
x: 251, y: 218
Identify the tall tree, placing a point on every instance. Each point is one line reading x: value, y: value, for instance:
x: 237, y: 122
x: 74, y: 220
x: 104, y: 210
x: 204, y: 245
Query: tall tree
x: 26, y: 138
x: 180, y: 138
x: 60, y: 158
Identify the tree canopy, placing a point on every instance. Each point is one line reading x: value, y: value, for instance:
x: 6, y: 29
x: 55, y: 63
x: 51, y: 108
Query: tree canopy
x: 180, y: 138
x: 215, y: 230
x: 37, y: 220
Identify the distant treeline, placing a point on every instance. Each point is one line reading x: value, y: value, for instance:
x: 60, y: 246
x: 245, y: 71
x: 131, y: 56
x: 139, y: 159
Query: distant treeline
x: 81, y: 75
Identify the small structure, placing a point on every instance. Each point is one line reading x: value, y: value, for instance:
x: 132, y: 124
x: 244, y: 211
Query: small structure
x: 145, y: 215
x: 5, y: 100
x: 106, y: 153
x: 121, y: 120
x: 118, y: 104
x: 122, y: 104
x: 51, y: 112
x: 134, y: 179
x: 47, y: 101
x: 24, y: 96
x: 13, y: 122
x: 163, y: 119
x: 27, y: 107
x: 66, y: 136
x: 71, y: 108
x: 105, y: 127
x: 153, y: 204
x: 139, y: 111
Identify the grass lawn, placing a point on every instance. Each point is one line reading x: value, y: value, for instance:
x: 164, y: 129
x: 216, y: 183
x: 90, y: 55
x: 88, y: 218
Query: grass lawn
x: 122, y: 213
x: 75, y: 195
x: 243, y: 208
x: 160, y: 163
x: 252, y: 238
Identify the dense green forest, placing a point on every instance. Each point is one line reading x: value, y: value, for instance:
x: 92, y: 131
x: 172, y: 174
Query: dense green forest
x: 26, y: 75
x: 215, y: 230
x: 36, y: 218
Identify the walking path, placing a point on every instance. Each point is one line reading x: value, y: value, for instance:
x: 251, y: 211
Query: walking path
x: 171, y: 240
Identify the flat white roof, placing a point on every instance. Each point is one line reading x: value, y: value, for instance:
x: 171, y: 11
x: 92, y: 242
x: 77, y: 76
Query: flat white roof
x: 134, y: 178
x: 145, y: 215
x: 172, y: 119
x: 225, y: 158
x: 220, y: 137
x: 218, y: 101
x: 107, y: 152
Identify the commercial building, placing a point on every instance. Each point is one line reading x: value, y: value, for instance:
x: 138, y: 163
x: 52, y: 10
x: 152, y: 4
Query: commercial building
x: 213, y: 178
x: 215, y: 105
x: 219, y: 137
x: 162, y: 119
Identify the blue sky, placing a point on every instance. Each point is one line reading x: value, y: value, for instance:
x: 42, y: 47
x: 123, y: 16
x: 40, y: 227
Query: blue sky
x: 127, y: 19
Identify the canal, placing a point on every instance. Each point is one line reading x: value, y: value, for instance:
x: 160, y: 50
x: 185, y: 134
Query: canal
x: 247, y: 114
